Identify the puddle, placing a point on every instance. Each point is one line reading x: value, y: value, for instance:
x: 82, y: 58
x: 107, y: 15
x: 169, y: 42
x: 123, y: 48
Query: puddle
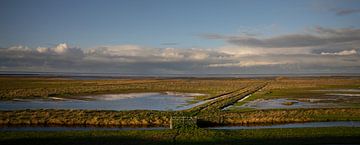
x: 185, y: 94
x: 296, y: 125
x: 109, y: 97
x: 131, y: 101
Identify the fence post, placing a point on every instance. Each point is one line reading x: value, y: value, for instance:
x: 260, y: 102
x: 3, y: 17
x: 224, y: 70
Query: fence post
x: 171, y: 123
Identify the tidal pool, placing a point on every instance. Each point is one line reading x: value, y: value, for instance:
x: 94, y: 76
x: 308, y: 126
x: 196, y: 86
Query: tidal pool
x: 131, y: 101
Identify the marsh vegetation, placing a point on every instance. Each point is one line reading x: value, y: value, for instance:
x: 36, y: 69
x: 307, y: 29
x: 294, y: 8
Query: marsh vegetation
x: 217, y: 107
x: 224, y: 101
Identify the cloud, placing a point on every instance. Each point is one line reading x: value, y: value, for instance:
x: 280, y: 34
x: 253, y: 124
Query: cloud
x: 60, y: 49
x: 344, y: 52
x: 333, y: 50
x: 248, y: 64
x: 134, y: 53
x: 19, y: 48
x: 213, y: 36
x: 42, y: 49
x: 169, y: 43
x: 318, y: 36
x: 134, y: 59
x: 118, y: 58
x: 342, y: 11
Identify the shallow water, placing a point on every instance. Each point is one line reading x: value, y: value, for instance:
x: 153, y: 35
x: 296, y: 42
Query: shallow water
x: 296, y: 125
x: 196, y: 104
x: 53, y: 128
x: 132, y: 101
x: 340, y: 90
x: 290, y: 125
x: 344, y: 95
x: 280, y: 104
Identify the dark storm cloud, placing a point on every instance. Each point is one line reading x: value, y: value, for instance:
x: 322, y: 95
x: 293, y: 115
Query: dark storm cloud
x: 213, y: 36
x: 317, y: 37
x: 169, y: 43
x: 341, y: 12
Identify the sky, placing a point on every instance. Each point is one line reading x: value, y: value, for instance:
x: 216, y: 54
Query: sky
x: 180, y: 36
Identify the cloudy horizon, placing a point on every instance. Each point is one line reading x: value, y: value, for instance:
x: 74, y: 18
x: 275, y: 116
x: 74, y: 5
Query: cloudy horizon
x: 325, y: 41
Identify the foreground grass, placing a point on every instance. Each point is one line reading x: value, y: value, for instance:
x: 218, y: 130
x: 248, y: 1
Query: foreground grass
x: 162, y: 118
x: 299, y: 136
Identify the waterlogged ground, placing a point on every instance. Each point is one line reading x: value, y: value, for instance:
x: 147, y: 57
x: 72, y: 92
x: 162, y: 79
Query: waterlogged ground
x: 280, y: 104
x: 325, y: 98
x: 131, y: 101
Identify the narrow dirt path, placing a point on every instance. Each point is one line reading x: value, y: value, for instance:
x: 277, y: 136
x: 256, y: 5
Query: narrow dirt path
x: 226, y: 99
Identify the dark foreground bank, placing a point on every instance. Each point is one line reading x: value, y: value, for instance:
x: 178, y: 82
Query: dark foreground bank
x: 294, y: 136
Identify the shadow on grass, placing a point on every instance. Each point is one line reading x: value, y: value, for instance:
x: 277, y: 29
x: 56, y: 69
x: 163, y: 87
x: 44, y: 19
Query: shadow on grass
x: 184, y: 136
x: 155, y: 141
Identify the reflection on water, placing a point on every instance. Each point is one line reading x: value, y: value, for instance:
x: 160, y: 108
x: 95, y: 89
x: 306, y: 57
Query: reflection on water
x: 132, y: 101
x: 196, y: 104
x: 296, y: 125
x: 344, y: 95
x: 280, y: 104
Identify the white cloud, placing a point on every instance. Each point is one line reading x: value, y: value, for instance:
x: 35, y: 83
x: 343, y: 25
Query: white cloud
x: 249, y: 64
x: 123, y: 51
x: 19, y: 48
x: 198, y: 54
x: 240, y: 51
x: 171, y: 53
x: 42, y: 49
x: 134, y: 53
x: 61, y: 48
x: 344, y: 52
